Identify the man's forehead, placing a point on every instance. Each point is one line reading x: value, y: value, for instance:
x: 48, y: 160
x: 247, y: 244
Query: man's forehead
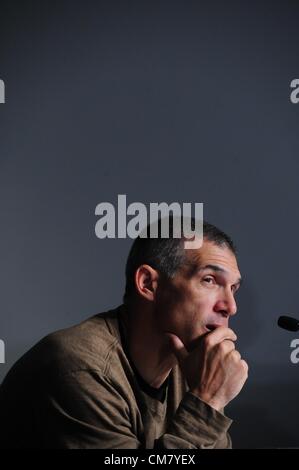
x: 211, y: 254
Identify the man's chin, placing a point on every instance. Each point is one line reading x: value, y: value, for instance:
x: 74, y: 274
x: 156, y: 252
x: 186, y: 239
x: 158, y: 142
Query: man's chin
x: 193, y: 344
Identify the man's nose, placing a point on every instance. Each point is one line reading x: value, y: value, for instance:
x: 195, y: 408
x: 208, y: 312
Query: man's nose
x: 227, y: 304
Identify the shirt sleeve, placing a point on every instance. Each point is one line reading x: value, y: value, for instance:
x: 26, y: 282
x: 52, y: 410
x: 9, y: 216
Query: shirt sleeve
x: 85, y: 410
x: 196, y: 425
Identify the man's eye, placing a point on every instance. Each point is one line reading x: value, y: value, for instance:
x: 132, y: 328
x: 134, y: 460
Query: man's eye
x: 209, y: 279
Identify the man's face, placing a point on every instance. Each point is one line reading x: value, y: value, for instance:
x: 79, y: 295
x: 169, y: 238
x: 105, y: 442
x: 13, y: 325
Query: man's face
x: 200, y: 297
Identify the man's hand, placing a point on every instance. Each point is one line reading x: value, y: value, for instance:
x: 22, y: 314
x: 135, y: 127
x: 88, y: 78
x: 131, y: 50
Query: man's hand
x: 214, y: 370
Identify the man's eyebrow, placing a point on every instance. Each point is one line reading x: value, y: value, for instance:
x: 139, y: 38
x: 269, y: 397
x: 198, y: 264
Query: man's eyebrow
x: 216, y: 268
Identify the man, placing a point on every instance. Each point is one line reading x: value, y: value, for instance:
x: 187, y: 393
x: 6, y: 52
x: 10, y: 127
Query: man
x: 156, y: 372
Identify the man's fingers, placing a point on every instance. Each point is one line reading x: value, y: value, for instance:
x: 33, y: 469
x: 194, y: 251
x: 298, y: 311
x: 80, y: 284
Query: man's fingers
x: 220, y: 334
x: 177, y: 347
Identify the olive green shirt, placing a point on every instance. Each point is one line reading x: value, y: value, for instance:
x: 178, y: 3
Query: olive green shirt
x: 77, y: 388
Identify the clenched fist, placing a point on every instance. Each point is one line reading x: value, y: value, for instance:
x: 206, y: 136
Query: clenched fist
x: 214, y: 370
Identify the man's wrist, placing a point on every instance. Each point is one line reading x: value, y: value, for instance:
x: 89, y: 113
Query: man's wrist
x: 208, y: 400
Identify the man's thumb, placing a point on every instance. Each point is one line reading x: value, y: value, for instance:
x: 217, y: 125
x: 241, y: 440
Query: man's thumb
x: 177, y: 347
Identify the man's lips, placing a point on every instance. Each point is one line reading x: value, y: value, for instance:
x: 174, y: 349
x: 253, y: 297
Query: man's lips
x: 212, y: 326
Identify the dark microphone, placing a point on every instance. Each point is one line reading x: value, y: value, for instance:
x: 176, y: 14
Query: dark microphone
x: 288, y: 323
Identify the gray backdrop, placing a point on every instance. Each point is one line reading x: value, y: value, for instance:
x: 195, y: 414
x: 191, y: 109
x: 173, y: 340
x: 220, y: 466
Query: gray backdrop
x: 161, y: 101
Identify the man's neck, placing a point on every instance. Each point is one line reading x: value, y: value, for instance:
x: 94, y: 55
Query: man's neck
x: 148, y: 349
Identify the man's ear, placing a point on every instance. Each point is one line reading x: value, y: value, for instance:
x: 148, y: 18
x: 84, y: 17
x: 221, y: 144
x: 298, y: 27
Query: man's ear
x: 146, y: 281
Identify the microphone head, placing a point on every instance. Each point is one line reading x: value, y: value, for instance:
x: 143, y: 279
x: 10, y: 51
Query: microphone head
x: 288, y: 323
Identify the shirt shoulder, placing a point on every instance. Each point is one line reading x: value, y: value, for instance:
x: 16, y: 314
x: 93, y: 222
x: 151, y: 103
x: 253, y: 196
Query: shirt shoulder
x: 93, y: 344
